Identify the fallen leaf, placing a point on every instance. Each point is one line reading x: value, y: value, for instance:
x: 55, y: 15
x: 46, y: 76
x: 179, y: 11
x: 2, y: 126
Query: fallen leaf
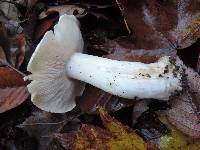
x: 114, y: 137
x: 2, y: 56
x: 22, y: 49
x: 4, y: 41
x: 184, y: 115
x: 198, y: 65
x: 176, y: 140
x: 162, y: 24
x: 27, y: 3
x: 149, y: 126
x: 193, y: 79
x: 42, y: 125
x: 13, y: 89
x: 13, y: 45
x: 92, y: 97
x: 64, y: 9
x: 44, y: 25
x: 10, y: 10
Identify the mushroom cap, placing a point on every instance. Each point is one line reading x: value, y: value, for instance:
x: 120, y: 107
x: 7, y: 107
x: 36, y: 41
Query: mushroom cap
x: 51, y: 90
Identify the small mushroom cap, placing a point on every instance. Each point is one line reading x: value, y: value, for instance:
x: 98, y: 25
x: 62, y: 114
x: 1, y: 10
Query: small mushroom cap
x: 51, y: 90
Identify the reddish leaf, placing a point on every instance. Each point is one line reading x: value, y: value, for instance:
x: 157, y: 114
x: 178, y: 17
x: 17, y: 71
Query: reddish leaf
x: 162, y: 24
x: 22, y: 50
x: 131, y: 56
x: 93, y: 97
x: 43, y: 26
x: 13, y: 89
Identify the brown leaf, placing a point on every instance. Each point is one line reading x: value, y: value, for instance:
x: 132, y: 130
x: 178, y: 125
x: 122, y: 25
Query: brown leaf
x: 42, y: 125
x: 134, y: 57
x: 114, y: 137
x: 2, y: 56
x: 4, y: 41
x: 64, y: 9
x: 93, y: 97
x: 125, y: 45
x: 184, y: 115
x: 13, y: 89
x: 194, y: 86
x: 22, y: 49
x: 198, y: 65
x: 27, y: 3
x: 162, y: 24
x: 43, y: 26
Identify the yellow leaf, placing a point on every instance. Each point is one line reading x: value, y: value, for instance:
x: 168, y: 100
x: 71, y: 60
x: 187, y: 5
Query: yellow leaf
x: 176, y: 140
x: 125, y: 137
x: 115, y: 136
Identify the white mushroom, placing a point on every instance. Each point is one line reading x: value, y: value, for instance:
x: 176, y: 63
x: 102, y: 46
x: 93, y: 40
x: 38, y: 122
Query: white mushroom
x: 57, y: 61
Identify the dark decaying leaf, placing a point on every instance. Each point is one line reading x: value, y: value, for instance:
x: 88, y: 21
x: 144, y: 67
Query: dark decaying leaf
x: 114, y: 137
x: 138, y: 109
x: 4, y: 41
x: 93, y: 97
x: 13, y: 89
x: 162, y: 24
x: 150, y: 127
x: 22, y: 50
x: 42, y: 125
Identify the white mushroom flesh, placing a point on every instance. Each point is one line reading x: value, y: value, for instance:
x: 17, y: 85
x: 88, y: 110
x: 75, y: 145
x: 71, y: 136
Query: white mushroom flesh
x: 158, y: 80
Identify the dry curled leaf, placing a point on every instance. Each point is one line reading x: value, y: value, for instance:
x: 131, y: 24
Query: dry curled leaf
x: 13, y: 89
x: 162, y: 24
x: 115, y: 137
x: 64, y: 9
